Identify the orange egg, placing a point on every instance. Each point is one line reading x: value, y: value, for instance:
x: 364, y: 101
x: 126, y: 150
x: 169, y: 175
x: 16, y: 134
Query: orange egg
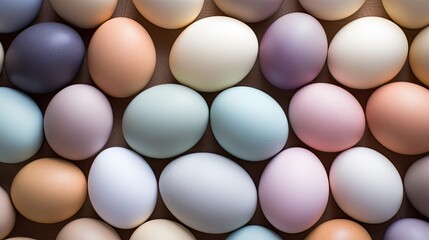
x: 339, y: 229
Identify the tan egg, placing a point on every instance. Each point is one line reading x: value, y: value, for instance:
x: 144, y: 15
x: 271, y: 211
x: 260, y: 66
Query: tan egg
x: 84, y: 13
x: 408, y: 13
x: 419, y: 56
x: 339, y: 229
x: 121, y: 57
x: 7, y: 214
x: 87, y: 229
x: 162, y: 229
x: 49, y: 190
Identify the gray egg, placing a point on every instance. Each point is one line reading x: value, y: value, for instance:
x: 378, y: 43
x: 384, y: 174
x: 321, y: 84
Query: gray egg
x: 16, y: 14
x: 409, y: 229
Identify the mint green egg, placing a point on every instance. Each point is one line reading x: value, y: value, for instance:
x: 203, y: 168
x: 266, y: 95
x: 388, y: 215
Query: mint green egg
x: 253, y: 232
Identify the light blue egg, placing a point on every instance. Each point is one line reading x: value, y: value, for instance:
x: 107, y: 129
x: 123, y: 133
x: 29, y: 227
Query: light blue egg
x: 21, y: 126
x: 253, y: 232
x: 16, y: 14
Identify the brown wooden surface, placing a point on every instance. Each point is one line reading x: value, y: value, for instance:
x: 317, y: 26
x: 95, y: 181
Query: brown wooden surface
x: 163, y: 40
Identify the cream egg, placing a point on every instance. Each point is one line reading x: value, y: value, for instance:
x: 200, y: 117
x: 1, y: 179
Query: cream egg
x: 249, y: 10
x: 419, y: 56
x: 416, y: 184
x: 87, y: 229
x: 409, y: 14
x: 7, y: 217
x: 339, y: 229
x: 331, y: 10
x: 162, y: 229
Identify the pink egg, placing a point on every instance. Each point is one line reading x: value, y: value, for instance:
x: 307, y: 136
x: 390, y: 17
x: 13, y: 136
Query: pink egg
x: 326, y: 117
x: 294, y: 190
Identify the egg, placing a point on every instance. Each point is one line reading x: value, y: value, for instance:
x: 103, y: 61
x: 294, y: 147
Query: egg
x: 367, y: 52
x: 397, y: 117
x: 122, y: 187
x: 293, y: 50
x: 7, y: 218
x: 407, y: 228
x: 165, y: 120
x: 121, y: 57
x: 326, y: 117
x: 213, y: 53
x: 87, y: 229
x: 339, y: 229
x: 21, y: 126
x: 416, y: 184
x: 208, y: 192
x: 249, y: 10
x: 331, y: 10
x: 84, y: 14
x: 169, y: 14
x: 16, y: 14
x: 20, y: 238
x: 409, y: 14
x: 162, y: 229
x: 1, y: 57
x: 78, y: 122
x: 294, y: 190
x: 48, y: 190
x: 366, y: 185
x: 419, y: 56
x: 253, y: 232
x: 248, y: 123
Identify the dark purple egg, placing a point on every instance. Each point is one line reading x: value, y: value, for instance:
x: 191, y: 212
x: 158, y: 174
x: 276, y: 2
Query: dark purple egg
x: 408, y: 229
x: 44, y: 57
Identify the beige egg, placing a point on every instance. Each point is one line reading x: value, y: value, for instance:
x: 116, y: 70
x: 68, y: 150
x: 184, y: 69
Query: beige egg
x: 7, y: 214
x: 408, y: 13
x: 419, y: 56
x: 87, y: 229
x: 331, y: 10
x: 339, y: 229
x: 249, y: 10
x: 20, y: 238
x: 162, y: 229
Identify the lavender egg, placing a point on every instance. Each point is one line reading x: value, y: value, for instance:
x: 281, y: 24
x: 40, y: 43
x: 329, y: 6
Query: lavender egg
x: 407, y: 228
x: 16, y: 14
x: 293, y: 51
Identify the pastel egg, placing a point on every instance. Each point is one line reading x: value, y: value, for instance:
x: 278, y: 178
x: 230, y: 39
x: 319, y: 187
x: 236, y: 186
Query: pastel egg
x: 208, y: 192
x: 407, y: 228
x: 249, y: 11
x: 20, y: 238
x: 165, y: 120
x: 1, y: 56
x: 366, y: 185
x: 416, y: 184
x: 419, y: 56
x: 208, y: 58
x: 21, y: 126
x: 87, y: 229
x: 248, y: 123
x: 326, y: 117
x: 121, y: 57
x: 162, y: 229
x: 44, y: 57
x: 84, y: 14
x: 78, y: 122
x: 397, y: 117
x: 293, y: 51
x: 331, y: 10
x: 48, y: 190
x: 294, y: 190
x: 253, y: 232
x: 409, y: 14
x: 171, y: 14
x: 339, y: 229
x: 122, y: 187
x: 16, y: 14
x: 367, y: 52
x: 7, y: 218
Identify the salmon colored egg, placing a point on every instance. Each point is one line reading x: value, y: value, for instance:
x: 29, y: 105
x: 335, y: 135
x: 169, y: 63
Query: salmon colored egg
x: 339, y: 229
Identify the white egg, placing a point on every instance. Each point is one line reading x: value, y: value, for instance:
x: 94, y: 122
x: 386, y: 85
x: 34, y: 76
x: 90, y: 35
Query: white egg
x: 367, y: 52
x: 213, y: 53
x: 208, y: 192
x: 366, y: 185
x: 7, y: 216
x: 122, y: 187
x: 409, y: 13
x: 331, y: 10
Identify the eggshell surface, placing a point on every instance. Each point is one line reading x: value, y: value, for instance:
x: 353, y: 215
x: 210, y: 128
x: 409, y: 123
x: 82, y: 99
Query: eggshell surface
x: 48, y: 190
x: 294, y: 190
x: 416, y: 184
x: 1, y: 56
x: 162, y: 229
x: 253, y: 232
x: 409, y: 14
x: 87, y: 229
x: 366, y: 185
x: 419, y: 56
x: 339, y: 229
x: 367, y: 52
x: 20, y: 238
x: 165, y: 120
x: 407, y: 228
x: 191, y: 183
x: 249, y: 10
x: 213, y: 53
x: 331, y: 10
x: 122, y: 187
x: 16, y: 14
x: 7, y: 217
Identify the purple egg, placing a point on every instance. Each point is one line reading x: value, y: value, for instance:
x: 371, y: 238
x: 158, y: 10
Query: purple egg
x: 44, y: 57
x: 409, y: 229
x: 293, y: 51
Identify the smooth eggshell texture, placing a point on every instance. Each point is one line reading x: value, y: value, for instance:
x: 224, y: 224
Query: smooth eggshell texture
x: 162, y: 229
x: 208, y: 57
x: 87, y: 229
x: 367, y: 52
x: 409, y: 14
x: 208, y: 192
x: 326, y: 117
x: 294, y: 190
x: 366, y: 185
x: 248, y: 123
x: 169, y: 14
x: 293, y: 50
x: 407, y: 228
x: 1, y: 57
x: 253, y: 232
x: 331, y: 10
x: 78, y: 122
x: 165, y: 120
x: 397, y: 116
x: 419, y: 56
x: 121, y: 57
x: 48, y: 190
x: 249, y: 10
x: 339, y: 229
x: 20, y: 238
x: 122, y: 187
x: 7, y: 217
x: 16, y: 14
x: 44, y: 57
x: 84, y: 14
x: 416, y: 184
x: 21, y: 126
